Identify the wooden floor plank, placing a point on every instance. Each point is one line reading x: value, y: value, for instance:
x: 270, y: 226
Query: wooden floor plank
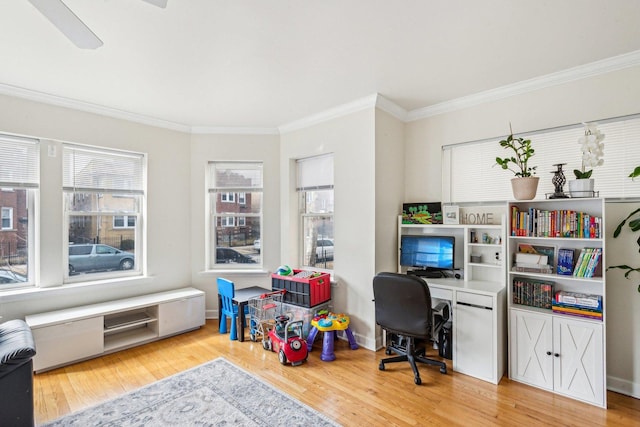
x: 351, y: 389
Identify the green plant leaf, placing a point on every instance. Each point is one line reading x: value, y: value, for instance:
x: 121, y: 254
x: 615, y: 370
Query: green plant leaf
x: 635, y: 173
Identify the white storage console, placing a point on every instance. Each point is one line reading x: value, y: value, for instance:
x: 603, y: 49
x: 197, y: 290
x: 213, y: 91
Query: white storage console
x: 66, y: 336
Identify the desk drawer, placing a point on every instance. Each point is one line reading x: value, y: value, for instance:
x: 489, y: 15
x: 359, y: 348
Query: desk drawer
x: 439, y: 293
x: 474, y: 299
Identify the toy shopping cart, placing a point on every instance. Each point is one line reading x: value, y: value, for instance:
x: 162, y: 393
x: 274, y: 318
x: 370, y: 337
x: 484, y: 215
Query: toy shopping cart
x: 263, y: 310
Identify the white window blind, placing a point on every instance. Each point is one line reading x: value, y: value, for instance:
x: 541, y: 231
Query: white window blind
x: 471, y: 174
x: 100, y: 170
x: 315, y: 173
x: 19, y: 161
x: 235, y: 176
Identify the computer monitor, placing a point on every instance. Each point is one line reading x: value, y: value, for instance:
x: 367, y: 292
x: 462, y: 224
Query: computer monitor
x: 427, y: 252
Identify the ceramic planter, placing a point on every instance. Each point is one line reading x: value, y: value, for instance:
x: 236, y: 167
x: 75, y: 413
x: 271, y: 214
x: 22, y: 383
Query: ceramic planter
x: 524, y: 188
x: 581, y: 187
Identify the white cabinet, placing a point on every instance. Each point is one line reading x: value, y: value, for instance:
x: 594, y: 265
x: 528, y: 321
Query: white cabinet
x: 548, y: 348
x: 79, y: 333
x: 180, y: 315
x: 559, y: 354
x: 72, y: 340
x: 476, y: 336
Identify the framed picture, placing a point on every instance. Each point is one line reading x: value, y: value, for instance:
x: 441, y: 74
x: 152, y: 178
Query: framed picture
x: 451, y: 214
x: 422, y: 213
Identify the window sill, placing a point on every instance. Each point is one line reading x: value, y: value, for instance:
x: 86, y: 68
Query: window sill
x: 233, y: 271
x: 70, y: 288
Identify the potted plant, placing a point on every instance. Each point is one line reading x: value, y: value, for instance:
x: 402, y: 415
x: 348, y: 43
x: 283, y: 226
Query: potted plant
x: 634, y: 225
x: 524, y: 185
x: 592, y: 152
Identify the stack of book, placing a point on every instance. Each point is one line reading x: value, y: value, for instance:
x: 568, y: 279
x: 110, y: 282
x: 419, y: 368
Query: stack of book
x: 576, y: 304
x: 554, y: 223
x: 588, y: 262
x: 532, y: 262
x: 533, y: 293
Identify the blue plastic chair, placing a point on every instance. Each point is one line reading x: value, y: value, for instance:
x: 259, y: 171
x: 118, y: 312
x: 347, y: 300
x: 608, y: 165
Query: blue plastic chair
x: 226, y: 291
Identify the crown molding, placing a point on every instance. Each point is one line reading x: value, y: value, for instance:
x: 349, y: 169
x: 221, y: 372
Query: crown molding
x: 392, y: 108
x: 615, y: 63
x: 332, y: 113
x: 88, y: 107
x: 206, y: 130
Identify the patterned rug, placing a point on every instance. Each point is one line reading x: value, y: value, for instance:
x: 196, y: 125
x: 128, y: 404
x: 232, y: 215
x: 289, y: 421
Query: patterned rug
x: 216, y: 393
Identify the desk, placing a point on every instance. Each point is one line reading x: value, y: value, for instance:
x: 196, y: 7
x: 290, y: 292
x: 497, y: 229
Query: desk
x: 478, y: 326
x: 241, y: 299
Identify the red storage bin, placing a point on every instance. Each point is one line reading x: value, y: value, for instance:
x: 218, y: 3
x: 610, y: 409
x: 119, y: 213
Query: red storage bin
x: 305, y: 292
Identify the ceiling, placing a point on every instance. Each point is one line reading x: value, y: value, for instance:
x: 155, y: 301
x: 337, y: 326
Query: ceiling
x: 259, y: 64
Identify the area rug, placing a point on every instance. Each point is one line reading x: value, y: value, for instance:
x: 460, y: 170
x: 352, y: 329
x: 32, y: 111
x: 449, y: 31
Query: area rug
x: 217, y: 393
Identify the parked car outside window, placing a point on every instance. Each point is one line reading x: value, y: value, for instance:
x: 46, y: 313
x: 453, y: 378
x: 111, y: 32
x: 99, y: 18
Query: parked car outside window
x: 231, y: 256
x: 97, y: 257
x: 8, y: 276
x: 324, y: 249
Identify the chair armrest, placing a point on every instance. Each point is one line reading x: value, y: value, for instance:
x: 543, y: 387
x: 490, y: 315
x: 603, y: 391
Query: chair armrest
x: 16, y: 345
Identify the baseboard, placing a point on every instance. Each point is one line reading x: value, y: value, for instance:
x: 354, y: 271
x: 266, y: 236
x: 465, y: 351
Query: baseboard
x: 623, y: 386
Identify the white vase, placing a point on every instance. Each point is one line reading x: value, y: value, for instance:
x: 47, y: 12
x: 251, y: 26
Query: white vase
x: 524, y: 188
x: 581, y: 187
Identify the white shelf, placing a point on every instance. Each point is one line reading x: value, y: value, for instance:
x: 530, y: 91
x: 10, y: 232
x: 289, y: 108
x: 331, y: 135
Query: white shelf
x: 79, y: 333
x: 128, y: 338
x: 482, y: 264
x: 550, y: 337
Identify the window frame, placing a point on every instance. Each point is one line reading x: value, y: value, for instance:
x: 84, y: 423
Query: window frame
x: 112, y: 190
x: 237, y: 192
x: 21, y: 172
x: 9, y: 218
x: 314, y: 174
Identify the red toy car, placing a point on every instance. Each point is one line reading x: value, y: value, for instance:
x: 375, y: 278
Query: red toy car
x: 286, y: 340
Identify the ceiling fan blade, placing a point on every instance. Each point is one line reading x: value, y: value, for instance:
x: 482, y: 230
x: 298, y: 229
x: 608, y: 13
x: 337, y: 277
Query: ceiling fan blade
x: 68, y: 23
x: 159, y: 3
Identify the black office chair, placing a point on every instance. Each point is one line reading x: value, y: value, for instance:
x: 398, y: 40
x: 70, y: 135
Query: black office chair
x: 403, y: 309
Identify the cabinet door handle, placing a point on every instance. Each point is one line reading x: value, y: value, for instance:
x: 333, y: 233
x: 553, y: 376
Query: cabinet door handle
x: 556, y: 355
x: 548, y: 353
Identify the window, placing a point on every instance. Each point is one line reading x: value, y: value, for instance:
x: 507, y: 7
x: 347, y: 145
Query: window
x: 315, y: 187
x: 235, y: 214
x: 125, y: 221
x: 19, y: 181
x: 103, y: 204
x: 7, y: 218
x: 468, y: 174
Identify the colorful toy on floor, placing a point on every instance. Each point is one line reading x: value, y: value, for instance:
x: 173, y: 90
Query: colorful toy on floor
x: 286, y: 340
x: 329, y: 323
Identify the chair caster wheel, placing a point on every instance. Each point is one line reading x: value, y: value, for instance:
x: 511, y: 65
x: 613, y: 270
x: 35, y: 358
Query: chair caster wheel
x: 417, y: 380
x: 443, y: 370
x: 381, y: 366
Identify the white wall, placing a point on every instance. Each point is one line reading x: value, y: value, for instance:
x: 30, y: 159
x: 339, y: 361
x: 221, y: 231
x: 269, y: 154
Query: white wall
x: 389, y: 193
x: 610, y: 95
x: 351, y: 139
x: 167, y: 229
x: 206, y: 148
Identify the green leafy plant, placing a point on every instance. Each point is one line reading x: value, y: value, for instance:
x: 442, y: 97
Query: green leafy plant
x: 633, y: 220
x: 592, y: 150
x: 519, y: 162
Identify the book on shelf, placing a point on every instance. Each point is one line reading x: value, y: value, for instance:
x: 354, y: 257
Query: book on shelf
x: 578, y: 300
x: 591, y: 314
x: 533, y: 293
x: 532, y: 268
x: 533, y: 222
x: 565, y: 262
x: 588, y: 262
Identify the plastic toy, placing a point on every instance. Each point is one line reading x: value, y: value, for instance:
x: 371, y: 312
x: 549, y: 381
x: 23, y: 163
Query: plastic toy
x: 263, y: 310
x: 284, y: 270
x: 286, y: 340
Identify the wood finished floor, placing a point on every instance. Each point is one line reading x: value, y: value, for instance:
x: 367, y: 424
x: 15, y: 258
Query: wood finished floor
x: 351, y: 390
